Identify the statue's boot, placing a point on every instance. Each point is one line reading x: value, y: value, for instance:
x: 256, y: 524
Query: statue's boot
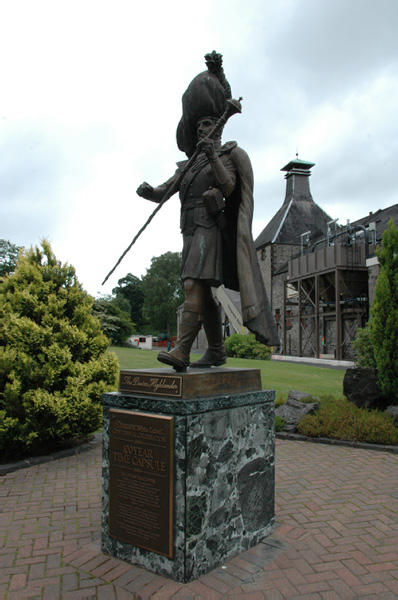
x: 215, y: 355
x: 178, y: 358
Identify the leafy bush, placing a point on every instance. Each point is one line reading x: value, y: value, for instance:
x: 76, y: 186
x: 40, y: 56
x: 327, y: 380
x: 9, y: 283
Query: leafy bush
x: 342, y: 420
x: 53, y: 365
x: 364, y: 349
x: 279, y: 423
x: 239, y: 345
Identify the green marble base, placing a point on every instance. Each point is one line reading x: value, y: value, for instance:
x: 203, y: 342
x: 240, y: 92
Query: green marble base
x: 223, y: 482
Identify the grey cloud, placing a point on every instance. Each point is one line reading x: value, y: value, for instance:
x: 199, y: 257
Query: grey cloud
x: 42, y: 164
x: 326, y: 47
x: 29, y: 162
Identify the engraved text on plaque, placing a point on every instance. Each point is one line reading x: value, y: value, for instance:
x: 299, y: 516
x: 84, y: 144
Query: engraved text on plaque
x: 144, y: 383
x: 141, y: 480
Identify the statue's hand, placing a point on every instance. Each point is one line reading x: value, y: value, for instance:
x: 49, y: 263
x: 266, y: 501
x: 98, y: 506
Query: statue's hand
x: 206, y: 145
x: 145, y: 190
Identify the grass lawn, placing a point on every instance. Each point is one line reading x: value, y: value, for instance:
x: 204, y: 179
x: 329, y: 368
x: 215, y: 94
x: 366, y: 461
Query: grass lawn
x: 275, y: 375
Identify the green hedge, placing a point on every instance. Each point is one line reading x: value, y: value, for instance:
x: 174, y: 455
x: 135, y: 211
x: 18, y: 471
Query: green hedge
x: 246, y: 346
x: 342, y: 420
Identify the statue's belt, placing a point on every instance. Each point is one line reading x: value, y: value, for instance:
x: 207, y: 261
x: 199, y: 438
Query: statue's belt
x: 192, y: 203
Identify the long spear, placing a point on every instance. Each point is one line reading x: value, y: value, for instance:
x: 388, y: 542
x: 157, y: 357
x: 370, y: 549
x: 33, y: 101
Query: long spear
x: 233, y: 107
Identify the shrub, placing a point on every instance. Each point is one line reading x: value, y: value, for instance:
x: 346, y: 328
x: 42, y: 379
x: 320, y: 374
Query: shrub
x: 54, y: 366
x: 342, y: 420
x: 279, y: 423
x: 308, y: 399
x: 239, y: 345
x: 364, y: 349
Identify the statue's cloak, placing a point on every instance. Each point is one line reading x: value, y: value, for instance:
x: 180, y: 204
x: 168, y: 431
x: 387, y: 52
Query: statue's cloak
x: 241, y: 270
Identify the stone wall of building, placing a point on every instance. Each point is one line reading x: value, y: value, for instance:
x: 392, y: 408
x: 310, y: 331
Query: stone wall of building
x: 277, y: 304
x: 271, y: 259
x: 282, y: 253
x: 292, y: 336
x: 264, y: 261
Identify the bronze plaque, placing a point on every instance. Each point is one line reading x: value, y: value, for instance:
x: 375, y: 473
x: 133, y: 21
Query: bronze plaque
x: 141, y: 480
x: 150, y: 383
x: 195, y: 383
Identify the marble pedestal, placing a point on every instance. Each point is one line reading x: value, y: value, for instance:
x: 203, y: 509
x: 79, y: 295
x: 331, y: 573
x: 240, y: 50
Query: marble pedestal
x: 223, y: 477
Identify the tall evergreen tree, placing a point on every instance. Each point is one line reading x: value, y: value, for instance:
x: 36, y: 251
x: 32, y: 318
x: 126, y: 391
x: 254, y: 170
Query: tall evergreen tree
x: 383, y: 324
x: 53, y: 365
x: 163, y: 292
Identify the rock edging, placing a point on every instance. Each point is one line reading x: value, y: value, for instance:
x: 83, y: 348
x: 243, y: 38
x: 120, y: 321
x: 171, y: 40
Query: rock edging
x: 39, y: 460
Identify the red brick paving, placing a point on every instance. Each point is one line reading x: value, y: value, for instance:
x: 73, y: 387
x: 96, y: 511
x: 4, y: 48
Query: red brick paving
x: 336, y: 535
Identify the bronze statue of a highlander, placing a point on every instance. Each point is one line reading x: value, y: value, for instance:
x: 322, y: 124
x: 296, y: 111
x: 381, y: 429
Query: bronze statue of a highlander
x: 216, y: 196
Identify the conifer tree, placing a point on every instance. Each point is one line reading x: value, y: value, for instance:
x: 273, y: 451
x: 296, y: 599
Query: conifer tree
x: 383, y: 324
x: 53, y: 362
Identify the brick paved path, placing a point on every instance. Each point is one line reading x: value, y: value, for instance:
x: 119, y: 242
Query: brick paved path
x: 336, y: 535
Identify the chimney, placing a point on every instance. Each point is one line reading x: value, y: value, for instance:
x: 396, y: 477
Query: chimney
x: 297, y: 180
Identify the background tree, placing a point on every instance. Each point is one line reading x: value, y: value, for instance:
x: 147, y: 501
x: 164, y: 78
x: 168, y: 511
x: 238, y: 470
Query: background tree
x: 54, y: 365
x: 114, y: 316
x: 8, y: 257
x: 130, y: 289
x: 163, y: 292
x: 383, y: 325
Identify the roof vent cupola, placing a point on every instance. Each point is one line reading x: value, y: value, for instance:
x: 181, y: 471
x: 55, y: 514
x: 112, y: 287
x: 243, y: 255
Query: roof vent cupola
x: 297, y: 182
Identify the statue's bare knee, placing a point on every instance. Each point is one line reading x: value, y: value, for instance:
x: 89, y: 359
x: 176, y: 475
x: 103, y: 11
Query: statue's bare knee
x: 194, y: 295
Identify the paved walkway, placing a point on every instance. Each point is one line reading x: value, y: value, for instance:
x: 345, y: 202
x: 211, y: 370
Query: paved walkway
x: 336, y: 534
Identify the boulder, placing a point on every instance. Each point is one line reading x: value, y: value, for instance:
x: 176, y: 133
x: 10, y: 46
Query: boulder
x: 293, y: 411
x: 298, y: 396
x: 360, y: 387
x: 393, y: 412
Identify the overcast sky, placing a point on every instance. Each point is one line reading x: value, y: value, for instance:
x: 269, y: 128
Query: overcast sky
x: 91, y: 98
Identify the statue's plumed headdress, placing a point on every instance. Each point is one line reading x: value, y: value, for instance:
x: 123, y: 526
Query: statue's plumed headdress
x: 205, y: 96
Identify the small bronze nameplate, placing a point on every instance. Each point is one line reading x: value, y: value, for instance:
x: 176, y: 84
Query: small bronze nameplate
x: 194, y: 383
x: 159, y: 385
x: 141, y: 480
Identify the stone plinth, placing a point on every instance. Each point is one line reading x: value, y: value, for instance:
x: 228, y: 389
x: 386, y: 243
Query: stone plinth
x: 223, y: 482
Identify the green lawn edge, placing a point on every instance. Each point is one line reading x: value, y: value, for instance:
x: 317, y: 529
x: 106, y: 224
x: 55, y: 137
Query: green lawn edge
x: 275, y: 375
